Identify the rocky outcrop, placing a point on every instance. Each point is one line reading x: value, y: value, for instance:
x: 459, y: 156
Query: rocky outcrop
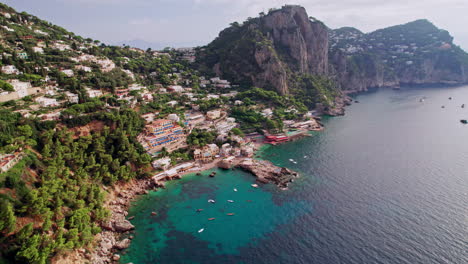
x: 122, y: 226
x: 338, y: 107
x: 266, y: 171
x: 414, y: 53
x: 117, y: 225
x: 268, y: 51
x: 123, y: 244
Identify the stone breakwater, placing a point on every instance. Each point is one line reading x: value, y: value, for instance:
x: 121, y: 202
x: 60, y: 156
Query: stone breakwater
x: 267, y: 172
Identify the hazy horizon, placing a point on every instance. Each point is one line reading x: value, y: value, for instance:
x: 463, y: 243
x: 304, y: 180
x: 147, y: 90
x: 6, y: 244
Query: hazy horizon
x: 181, y: 23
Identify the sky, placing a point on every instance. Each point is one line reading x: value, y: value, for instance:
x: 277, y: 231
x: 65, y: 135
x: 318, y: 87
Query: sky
x: 183, y: 23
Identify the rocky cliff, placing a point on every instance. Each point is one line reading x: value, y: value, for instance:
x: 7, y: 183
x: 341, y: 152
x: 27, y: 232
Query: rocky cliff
x: 270, y: 50
x: 414, y: 53
x: 286, y: 50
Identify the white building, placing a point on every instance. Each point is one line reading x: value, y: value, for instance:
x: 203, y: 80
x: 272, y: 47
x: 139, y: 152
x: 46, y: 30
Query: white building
x: 40, y: 32
x: 129, y: 73
x: 172, y: 103
x: 163, y: 163
x: 72, y: 98
x: 267, y: 112
x: 60, y: 46
x: 136, y: 87
x: 106, y: 65
x: 68, y: 72
x: 93, y: 93
x: 20, y: 87
x: 173, y: 117
x: 38, y: 50
x: 176, y: 88
x: 83, y: 68
x: 10, y: 69
x: 214, y: 114
x: 47, y: 102
x: 8, y: 29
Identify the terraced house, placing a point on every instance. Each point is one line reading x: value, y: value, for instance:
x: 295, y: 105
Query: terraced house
x: 162, y: 133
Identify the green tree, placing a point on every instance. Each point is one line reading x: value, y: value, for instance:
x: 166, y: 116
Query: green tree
x: 7, y: 217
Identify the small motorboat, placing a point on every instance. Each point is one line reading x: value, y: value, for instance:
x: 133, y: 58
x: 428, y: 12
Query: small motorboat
x: 153, y: 213
x: 357, y: 102
x: 230, y: 214
x: 450, y: 98
x: 211, y: 219
x: 230, y: 201
x: 464, y: 121
x: 443, y: 106
x: 199, y: 210
x: 421, y: 100
x: 463, y: 106
x: 211, y: 201
x: 249, y: 201
x: 305, y: 157
x: 201, y: 230
x: 254, y: 185
x: 235, y: 189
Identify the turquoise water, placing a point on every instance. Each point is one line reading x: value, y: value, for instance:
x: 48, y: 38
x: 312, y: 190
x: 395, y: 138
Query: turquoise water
x: 387, y: 183
x: 174, y: 230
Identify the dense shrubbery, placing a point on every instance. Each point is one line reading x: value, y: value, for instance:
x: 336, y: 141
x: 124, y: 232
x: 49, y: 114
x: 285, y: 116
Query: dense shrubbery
x: 200, y: 138
x: 64, y: 190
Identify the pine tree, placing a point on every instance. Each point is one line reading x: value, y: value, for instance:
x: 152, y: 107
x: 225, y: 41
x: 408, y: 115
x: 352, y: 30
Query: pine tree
x: 7, y: 217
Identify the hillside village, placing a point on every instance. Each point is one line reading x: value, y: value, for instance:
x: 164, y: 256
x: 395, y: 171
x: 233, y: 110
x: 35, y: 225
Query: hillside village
x: 80, y: 119
x: 74, y: 108
x: 49, y: 73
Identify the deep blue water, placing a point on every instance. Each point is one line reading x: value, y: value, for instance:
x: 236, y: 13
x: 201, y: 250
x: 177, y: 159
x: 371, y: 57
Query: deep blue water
x: 387, y: 183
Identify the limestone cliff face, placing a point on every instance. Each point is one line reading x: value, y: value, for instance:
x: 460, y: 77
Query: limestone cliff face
x: 413, y: 53
x: 285, y: 50
x: 300, y: 39
x: 267, y: 51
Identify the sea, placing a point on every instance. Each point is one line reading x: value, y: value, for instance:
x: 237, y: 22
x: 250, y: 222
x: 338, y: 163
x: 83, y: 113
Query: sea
x: 386, y: 183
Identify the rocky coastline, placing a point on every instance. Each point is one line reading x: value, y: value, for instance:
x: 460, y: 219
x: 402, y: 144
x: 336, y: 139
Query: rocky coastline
x: 111, y: 240
x: 267, y: 172
x: 117, y: 230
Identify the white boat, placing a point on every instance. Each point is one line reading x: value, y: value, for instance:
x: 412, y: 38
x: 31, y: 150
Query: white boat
x: 211, y: 201
x: 254, y: 185
x: 235, y: 189
x: 291, y: 160
x: 231, y: 201
x: 201, y: 230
